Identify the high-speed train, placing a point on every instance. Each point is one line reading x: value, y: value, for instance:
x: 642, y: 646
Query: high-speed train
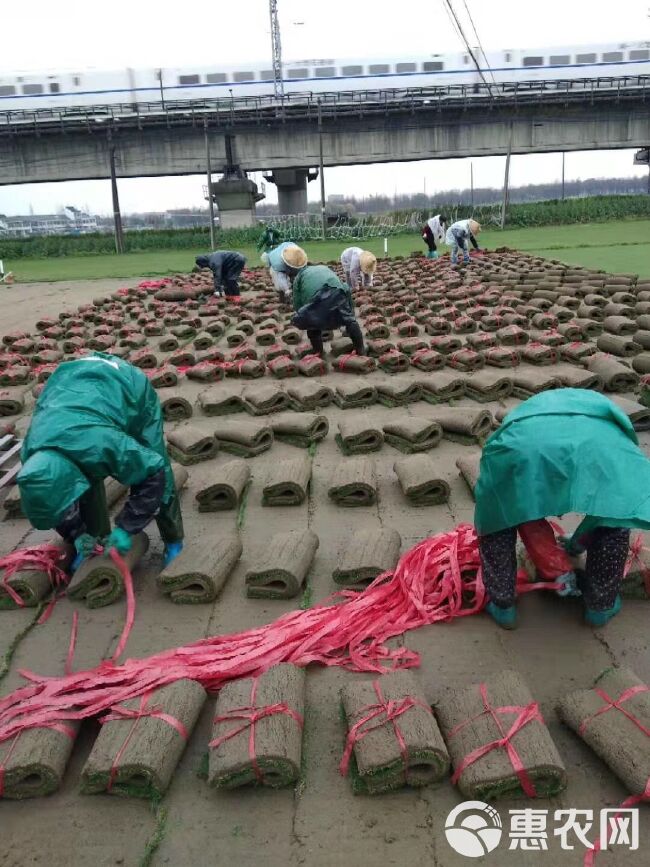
x: 83, y: 88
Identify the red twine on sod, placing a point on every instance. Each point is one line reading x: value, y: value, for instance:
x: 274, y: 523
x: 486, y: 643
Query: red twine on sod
x: 41, y: 558
x: 251, y: 715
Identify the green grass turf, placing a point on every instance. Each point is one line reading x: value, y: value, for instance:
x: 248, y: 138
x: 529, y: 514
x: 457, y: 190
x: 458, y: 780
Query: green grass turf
x: 623, y: 246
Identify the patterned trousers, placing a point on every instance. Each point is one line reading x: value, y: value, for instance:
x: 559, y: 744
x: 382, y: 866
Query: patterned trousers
x: 607, y: 550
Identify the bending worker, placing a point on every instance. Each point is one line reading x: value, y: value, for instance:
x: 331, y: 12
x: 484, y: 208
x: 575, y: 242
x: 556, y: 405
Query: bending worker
x: 359, y: 267
x: 434, y: 233
x: 322, y: 302
x: 99, y: 416
x: 226, y: 266
x: 458, y: 234
x: 280, y: 267
x: 569, y: 450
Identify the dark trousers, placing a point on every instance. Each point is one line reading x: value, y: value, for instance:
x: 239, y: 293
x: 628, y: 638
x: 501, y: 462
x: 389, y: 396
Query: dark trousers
x: 429, y: 240
x: 329, y: 309
x: 607, y: 550
x: 93, y: 512
x: 230, y: 279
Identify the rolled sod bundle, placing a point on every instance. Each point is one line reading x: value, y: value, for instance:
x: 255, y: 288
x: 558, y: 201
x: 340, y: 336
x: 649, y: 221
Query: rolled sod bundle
x: 215, y: 328
x: 577, y: 377
x: 366, y: 555
x: 12, y: 400
x: 463, y: 424
x: 287, y: 482
x: 512, y: 335
x: 468, y: 726
x: 341, y: 346
x: 530, y: 381
x: 588, y: 328
x: 466, y: 360
x: 623, y: 347
x: 641, y: 363
x: 300, y: 431
x: 212, y: 355
x: 481, y: 341
x: 487, y: 385
x: 153, y: 328
x: 398, y: 393
x: 615, y: 733
x: 245, y: 439
x: 29, y: 584
x: 500, y: 356
x: 101, y: 342
x: 183, y: 332
x: 264, y: 399
x: 182, y: 358
x: 291, y: 336
x: 205, y: 371
x: 189, y: 445
x: 377, y: 348
x: 200, y: 571
x: 638, y: 414
x: 168, y: 344
x: 576, y: 353
x: 357, y: 436
x: 539, y: 354
x: 98, y: 581
x: 353, y: 483
x: 437, y: 325
x: 442, y: 386
x: 643, y: 339
x: 570, y: 330
x: 203, y: 340
x: 349, y: 395
x: 257, y: 730
x: 33, y: 763
x: 465, y: 325
x: 282, y: 367
x: 492, y: 322
x: 134, y: 340
x: 163, y: 377
x: 175, y: 407
x: 352, y: 363
x: 282, y: 565
x: 247, y: 368
x: 394, y: 362
x: 620, y: 325
x: 393, y: 739
x: 222, y: 487
x: 13, y: 506
x: 420, y: 482
x: 615, y: 375
x: 428, y: 359
x: 308, y: 396
x: 469, y: 468
x: 73, y: 344
x: 445, y: 344
x: 412, y: 435
x: 144, y: 359
x: 142, y: 740
x: 378, y: 331
x: 220, y: 401
x: 16, y: 374
x: 311, y: 365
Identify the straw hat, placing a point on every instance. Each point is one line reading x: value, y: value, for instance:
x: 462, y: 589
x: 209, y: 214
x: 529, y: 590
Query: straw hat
x: 474, y: 227
x: 295, y: 257
x: 368, y: 262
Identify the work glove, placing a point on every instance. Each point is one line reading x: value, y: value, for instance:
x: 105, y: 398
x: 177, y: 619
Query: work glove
x: 570, y: 585
x: 85, y: 545
x: 120, y: 540
x: 171, y: 552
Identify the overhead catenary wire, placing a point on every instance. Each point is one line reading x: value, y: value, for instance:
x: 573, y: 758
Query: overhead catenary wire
x: 478, y: 40
x: 451, y: 12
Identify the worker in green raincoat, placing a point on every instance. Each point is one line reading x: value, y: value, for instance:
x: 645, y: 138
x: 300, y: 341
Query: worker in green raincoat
x: 569, y: 450
x: 99, y: 416
x: 269, y: 238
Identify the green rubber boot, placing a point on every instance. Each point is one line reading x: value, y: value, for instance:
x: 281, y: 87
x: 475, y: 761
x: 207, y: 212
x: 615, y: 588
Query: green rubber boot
x: 505, y: 617
x: 600, y: 618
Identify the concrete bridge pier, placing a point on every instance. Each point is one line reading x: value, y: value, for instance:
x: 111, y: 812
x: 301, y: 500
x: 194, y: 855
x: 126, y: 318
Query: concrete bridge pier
x: 292, y: 188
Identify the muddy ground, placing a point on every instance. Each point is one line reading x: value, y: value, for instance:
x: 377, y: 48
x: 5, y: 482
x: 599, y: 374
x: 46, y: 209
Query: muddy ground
x: 319, y: 823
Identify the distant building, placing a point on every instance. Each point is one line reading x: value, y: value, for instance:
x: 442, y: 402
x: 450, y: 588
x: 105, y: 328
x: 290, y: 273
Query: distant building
x: 70, y: 222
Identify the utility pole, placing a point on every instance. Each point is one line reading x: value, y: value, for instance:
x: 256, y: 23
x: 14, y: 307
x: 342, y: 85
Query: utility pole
x: 117, y: 216
x: 471, y: 183
x: 321, y: 169
x: 506, y: 182
x: 562, y: 175
x: 208, y: 164
x: 276, y: 50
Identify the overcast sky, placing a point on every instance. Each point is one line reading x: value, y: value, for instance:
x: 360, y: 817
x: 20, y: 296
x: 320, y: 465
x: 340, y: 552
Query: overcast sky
x: 77, y: 34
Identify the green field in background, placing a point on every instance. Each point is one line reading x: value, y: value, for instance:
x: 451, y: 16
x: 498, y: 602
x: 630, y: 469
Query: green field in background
x: 618, y: 247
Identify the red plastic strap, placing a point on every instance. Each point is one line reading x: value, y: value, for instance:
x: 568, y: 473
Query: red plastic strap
x: 251, y: 715
x: 611, y: 703
x: 73, y: 642
x: 632, y: 801
x: 123, y: 713
x: 389, y: 711
x: 635, y: 549
x: 344, y: 358
x: 57, y: 727
x: 525, y: 715
x: 130, y: 602
x: 310, y: 358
